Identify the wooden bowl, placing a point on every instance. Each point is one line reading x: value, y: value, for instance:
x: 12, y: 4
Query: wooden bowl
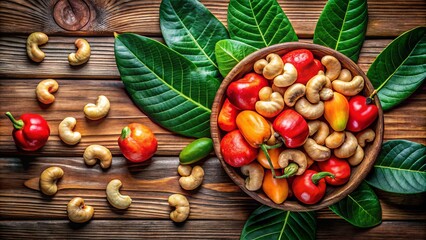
x: 333, y: 194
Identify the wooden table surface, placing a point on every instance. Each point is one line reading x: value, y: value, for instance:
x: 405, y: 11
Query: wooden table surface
x: 219, y: 208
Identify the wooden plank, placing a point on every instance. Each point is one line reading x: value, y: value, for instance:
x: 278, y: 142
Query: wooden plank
x: 149, y: 184
x: 142, y: 16
x: 101, y: 64
x: 225, y: 229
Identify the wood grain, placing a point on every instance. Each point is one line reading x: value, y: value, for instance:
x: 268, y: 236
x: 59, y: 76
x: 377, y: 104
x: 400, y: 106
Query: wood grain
x: 142, y: 16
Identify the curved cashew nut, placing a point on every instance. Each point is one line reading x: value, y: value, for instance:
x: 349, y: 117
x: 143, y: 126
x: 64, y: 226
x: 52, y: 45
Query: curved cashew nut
x: 271, y: 67
x: 254, y: 172
x: 314, y: 86
x: 181, y: 204
x: 45, y: 89
x: 293, y: 93
x: 65, y: 131
x: 114, y: 197
x: 335, y: 140
x: 332, y: 65
x: 192, y: 181
x: 82, y: 55
x: 351, y: 88
x: 48, y: 180
x: 78, y: 212
x: 33, y: 41
x: 308, y: 110
x: 94, y: 152
x: 288, y: 77
x: 295, y: 156
x: 345, y: 75
x: 320, y: 129
x: 315, y: 151
x: 184, y: 170
x: 98, y: 111
x: 270, y: 103
x: 326, y: 94
x: 366, y: 135
x: 348, y: 148
x: 357, y: 158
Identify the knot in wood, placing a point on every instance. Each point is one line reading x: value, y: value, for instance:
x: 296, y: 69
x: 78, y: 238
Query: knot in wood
x: 71, y: 15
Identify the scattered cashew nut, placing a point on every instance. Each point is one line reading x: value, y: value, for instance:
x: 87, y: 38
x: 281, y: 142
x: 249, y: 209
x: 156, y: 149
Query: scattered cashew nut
x: 114, y: 197
x: 335, y: 140
x: 345, y: 75
x: 65, y: 131
x: 309, y: 110
x: 366, y: 135
x: 315, y: 151
x: 254, y: 172
x: 193, y: 180
x: 181, y: 204
x: 48, y: 179
x: 314, y: 86
x: 98, y: 110
x: 332, y: 65
x: 350, y: 88
x: 82, y: 55
x: 94, y: 152
x: 293, y: 93
x: 293, y: 155
x: 357, y: 157
x: 270, y: 103
x: 45, y: 89
x: 288, y: 77
x: 33, y: 41
x: 78, y: 212
x: 348, y: 148
x: 320, y: 129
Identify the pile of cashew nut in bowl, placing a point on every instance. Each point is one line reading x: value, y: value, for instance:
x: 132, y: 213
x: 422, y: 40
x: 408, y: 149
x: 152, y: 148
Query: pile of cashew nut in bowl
x: 258, y: 120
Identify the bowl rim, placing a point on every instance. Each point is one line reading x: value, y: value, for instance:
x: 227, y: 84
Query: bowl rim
x: 337, y: 193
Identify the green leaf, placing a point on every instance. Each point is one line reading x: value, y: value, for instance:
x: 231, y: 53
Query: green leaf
x: 400, y: 68
x: 360, y: 208
x: 400, y: 168
x: 229, y: 53
x: 269, y: 223
x: 259, y: 23
x: 192, y: 30
x: 165, y: 85
x: 342, y: 26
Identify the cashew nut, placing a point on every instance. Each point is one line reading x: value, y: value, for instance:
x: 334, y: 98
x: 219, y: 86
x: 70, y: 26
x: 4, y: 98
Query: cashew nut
x: 181, y: 204
x: 348, y: 148
x: 48, y: 180
x: 65, y: 131
x: 293, y: 155
x: 184, y: 170
x: 315, y: 151
x: 326, y: 94
x: 366, y: 135
x: 320, y: 130
x: 33, y: 41
x: 82, y: 55
x: 314, y: 86
x: 345, y: 75
x: 332, y: 65
x: 254, y: 172
x: 308, y: 110
x: 95, y: 152
x: 114, y: 197
x: 192, y: 181
x: 271, y: 67
x: 45, y: 89
x: 293, y: 93
x: 335, y: 140
x: 273, y: 139
x: 259, y: 65
x: 78, y: 212
x: 288, y: 77
x: 270, y: 103
x: 357, y: 158
x: 351, y: 88
x: 98, y: 110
